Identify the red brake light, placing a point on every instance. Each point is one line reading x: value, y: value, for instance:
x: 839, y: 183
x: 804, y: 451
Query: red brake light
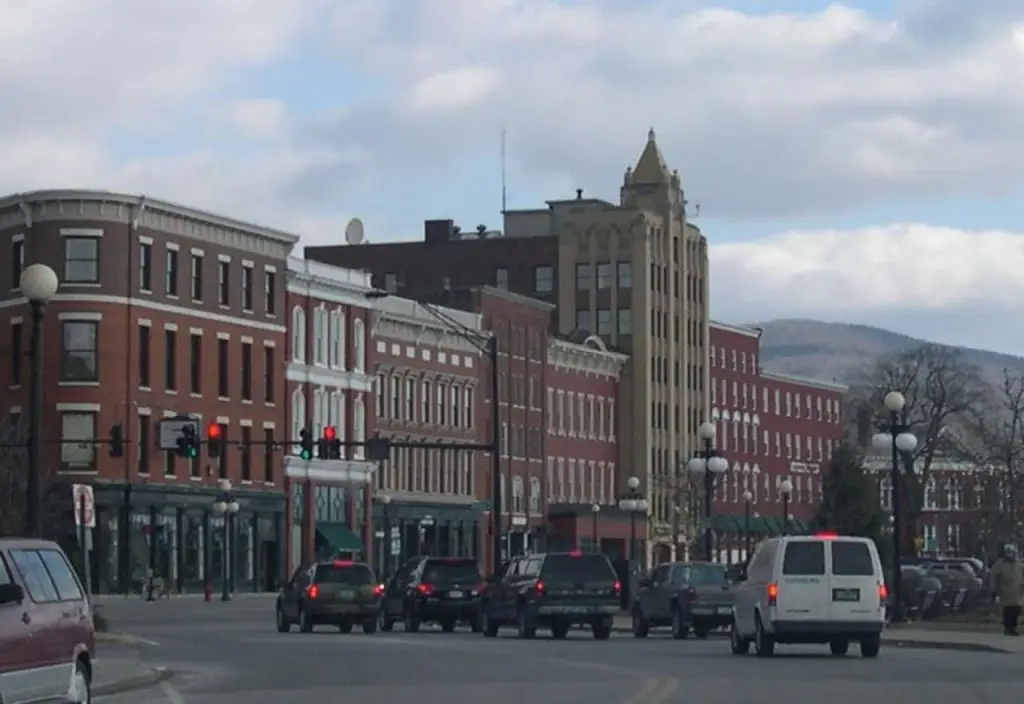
x: 576, y: 553
x: 883, y: 593
x: 425, y: 589
x: 773, y: 594
x: 538, y: 587
x: 378, y: 589
x: 329, y: 433
x: 827, y: 535
x: 342, y: 563
x: 312, y: 591
x: 617, y: 587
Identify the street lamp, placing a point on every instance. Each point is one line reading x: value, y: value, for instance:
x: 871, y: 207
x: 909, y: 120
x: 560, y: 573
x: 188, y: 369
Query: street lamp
x: 894, y: 435
x: 747, y: 498
x: 786, y: 491
x: 633, y: 503
x: 226, y: 507
x: 39, y: 284
x: 706, y: 465
x: 594, y: 510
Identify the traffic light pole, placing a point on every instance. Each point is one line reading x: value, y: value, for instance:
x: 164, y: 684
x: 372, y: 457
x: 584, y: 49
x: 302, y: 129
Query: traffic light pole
x: 496, y: 522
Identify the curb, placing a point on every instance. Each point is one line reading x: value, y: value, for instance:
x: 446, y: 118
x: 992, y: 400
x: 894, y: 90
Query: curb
x: 110, y: 638
x: 148, y: 678
x: 945, y: 645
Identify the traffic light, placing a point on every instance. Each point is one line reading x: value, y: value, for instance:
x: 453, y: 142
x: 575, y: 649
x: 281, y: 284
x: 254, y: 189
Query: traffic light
x: 306, y: 444
x: 116, y: 441
x: 188, y: 443
x: 214, y: 441
x: 333, y: 443
x: 323, y: 444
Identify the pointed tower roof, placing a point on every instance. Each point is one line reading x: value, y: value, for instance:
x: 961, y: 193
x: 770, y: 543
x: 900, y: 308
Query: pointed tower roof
x: 650, y: 167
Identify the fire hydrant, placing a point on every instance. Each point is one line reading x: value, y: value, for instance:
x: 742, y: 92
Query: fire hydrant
x: 207, y: 591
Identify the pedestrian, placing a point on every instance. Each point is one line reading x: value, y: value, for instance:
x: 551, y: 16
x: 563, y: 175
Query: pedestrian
x: 1007, y: 579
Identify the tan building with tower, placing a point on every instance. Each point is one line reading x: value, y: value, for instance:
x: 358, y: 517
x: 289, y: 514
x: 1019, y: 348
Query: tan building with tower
x: 634, y: 273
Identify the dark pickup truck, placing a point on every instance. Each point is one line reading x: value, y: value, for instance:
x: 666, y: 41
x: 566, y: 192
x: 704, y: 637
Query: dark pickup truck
x: 554, y: 591
x: 336, y: 592
x: 684, y: 596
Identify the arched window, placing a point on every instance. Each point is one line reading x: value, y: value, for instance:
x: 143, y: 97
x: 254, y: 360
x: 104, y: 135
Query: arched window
x: 359, y: 426
x: 319, y: 417
x: 358, y: 345
x: 319, y: 336
x: 517, y: 494
x: 467, y: 406
x: 335, y: 337
x: 535, y: 495
x: 298, y: 334
x: 298, y: 417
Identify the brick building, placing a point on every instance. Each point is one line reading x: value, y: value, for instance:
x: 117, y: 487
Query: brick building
x: 771, y: 428
x: 428, y: 388
x: 162, y: 310
x: 329, y: 385
x: 581, y: 447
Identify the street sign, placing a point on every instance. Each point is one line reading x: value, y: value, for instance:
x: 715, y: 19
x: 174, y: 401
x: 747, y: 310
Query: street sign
x: 378, y: 534
x: 169, y: 430
x: 85, y: 509
x: 396, y: 546
x: 395, y: 532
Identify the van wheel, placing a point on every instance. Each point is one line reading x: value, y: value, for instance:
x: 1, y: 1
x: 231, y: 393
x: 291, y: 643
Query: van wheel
x: 680, y: 629
x: 370, y: 625
x: 345, y: 627
x: 764, y: 644
x: 602, y: 630
x: 839, y: 646
x: 283, y: 624
x: 641, y: 626
x: 739, y: 644
x: 870, y: 646
x: 81, y: 685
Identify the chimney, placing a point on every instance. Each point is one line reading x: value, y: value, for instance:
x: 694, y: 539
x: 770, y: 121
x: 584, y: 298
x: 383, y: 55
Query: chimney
x: 579, y: 194
x: 438, y: 231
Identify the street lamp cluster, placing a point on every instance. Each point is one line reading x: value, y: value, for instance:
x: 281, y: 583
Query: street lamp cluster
x: 226, y: 506
x: 635, y: 504
x: 708, y: 464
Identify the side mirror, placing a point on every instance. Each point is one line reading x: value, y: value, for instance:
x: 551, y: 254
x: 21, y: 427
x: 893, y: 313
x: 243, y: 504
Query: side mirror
x: 11, y: 594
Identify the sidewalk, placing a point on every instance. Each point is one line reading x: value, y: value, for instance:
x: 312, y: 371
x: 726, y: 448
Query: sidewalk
x: 113, y: 675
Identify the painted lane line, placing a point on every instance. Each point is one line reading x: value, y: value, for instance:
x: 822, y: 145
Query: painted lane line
x: 173, y: 695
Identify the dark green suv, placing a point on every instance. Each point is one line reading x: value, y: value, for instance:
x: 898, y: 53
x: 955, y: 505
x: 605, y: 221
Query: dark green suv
x: 341, y: 593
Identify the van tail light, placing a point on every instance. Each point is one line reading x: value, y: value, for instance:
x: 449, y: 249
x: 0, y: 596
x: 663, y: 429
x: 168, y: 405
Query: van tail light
x: 312, y: 591
x: 773, y: 594
x: 883, y: 594
x: 617, y: 588
x: 538, y: 588
x: 378, y: 590
x: 424, y: 589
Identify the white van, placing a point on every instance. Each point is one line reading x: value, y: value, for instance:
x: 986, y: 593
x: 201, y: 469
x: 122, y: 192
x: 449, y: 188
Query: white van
x: 823, y: 588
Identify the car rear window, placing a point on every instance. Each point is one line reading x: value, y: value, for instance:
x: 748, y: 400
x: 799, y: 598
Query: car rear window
x: 343, y: 574
x: 804, y: 558
x: 577, y: 568
x: 851, y: 558
x: 451, y: 571
x: 700, y: 575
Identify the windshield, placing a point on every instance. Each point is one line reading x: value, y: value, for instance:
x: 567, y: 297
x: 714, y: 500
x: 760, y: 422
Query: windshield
x: 701, y: 575
x: 339, y: 574
x: 460, y: 571
x: 587, y: 567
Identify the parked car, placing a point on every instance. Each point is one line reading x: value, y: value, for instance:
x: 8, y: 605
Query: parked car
x: 47, y: 638
x: 442, y: 590
x: 341, y: 593
x: 685, y: 596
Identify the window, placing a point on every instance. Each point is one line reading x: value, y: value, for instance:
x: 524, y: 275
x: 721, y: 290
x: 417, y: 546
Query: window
x: 81, y: 260
x: 171, y: 284
x: 197, y: 277
x: 247, y: 371
x: 410, y: 398
x: 501, y: 278
x: 337, y: 338
x: 78, y: 437
x: 426, y: 403
x: 145, y: 353
x: 851, y: 559
x: 804, y: 559
x: 604, y: 322
x: 33, y: 573
x: 456, y: 399
x: 269, y: 374
x: 247, y: 288
x: 195, y: 364
x: 396, y: 398
x: 63, y: 578
x: 298, y: 334
x: 467, y: 406
x: 319, y: 336
x: 171, y: 360
x: 78, y: 351
x: 224, y: 283
x: 223, y: 466
x: 17, y: 332
x: 142, y: 447
x: 583, y: 320
x: 441, y: 417
x: 543, y: 279
x: 359, y: 426
x: 223, y: 385
x: 246, y: 449
x: 379, y: 388
x: 584, y: 277
x: 604, y: 276
x: 268, y: 455
x: 625, y: 274
x: 298, y: 416
x: 625, y: 321
x: 145, y: 267
x: 391, y: 283
x: 270, y: 292
x: 359, y: 345
x: 17, y: 261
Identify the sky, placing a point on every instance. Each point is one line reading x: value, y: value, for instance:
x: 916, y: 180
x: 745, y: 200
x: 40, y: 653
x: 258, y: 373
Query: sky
x: 858, y: 161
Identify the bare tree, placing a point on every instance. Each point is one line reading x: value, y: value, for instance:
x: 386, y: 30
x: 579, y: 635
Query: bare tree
x: 14, y: 484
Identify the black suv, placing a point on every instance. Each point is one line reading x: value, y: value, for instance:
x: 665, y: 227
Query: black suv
x: 555, y: 591
x: 442, y: 590
x: 337, y: 592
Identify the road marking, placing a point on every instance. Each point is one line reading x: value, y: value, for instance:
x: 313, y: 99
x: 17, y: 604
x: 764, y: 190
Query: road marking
x: 641, y: 695
x: 663, y: 695
x: 173, y: 695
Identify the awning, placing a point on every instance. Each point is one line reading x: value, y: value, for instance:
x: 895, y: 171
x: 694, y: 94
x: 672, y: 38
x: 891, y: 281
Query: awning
x: 337, y: 537
x: 723, y: 524
x: 772, y: 525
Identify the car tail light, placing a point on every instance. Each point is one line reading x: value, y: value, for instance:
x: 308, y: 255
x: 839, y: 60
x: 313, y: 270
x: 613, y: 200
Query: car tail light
x: 617, y: 587
x: 312, y: 591
x: 538, y: 587
x: 773, y: 594
x: 425, y: 589
x: 883, y: 593
x: 378, y: 590
x: 342, y: 563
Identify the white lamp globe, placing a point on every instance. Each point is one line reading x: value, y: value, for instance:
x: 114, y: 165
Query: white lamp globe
x: 627, y: 505
x: 786, y: 487
x: 39, y: 283
x: 881, y: 441
x: 906, y: 442
x: 697, y: 466
x: 633, y: 483
x: 224, y: 484
x: 894, y: 401
x: 233, y: 507
x: 219, y: 507
x: 706, y: 431
x: 747, y: 496
x: 596, y: 508
x: 641, y: 505
x: 718, y: 465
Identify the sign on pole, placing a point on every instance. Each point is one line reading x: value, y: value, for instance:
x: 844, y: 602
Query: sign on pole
x: 169, y: 430
x: 85, y: 508
x: 396, y: 546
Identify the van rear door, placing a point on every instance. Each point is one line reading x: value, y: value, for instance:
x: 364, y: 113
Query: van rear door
x: 855, y: 593
x: 803, y: 590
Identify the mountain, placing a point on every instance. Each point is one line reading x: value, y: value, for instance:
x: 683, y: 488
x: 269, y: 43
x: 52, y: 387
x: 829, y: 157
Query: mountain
x: 842, y: 352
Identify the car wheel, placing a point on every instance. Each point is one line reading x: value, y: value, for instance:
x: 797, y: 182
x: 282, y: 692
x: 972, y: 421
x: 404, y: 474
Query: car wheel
x: 764, y: 644
x: 370, y: 626
x: 870, y: 646
x: 560, y: 631
x: 345, y: 627
x: 840, y: 646
x: 601, y: 630
x: 488, y: 625
x: 680, y: 629
x: 526, y: 627
x: 283, y: 625
x: 739, y: 644
x: 80, y: 691
x: 701, y: 632
x: 640, y: 624
x: 412, y: 623
x: 305, y: 622
x: 387, y: 624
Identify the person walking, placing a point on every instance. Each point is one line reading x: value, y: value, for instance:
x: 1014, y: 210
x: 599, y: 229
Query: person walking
x: 1007, y: 580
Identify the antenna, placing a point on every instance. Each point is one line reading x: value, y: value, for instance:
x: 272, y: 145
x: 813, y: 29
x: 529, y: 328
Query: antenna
x: 504, y: 193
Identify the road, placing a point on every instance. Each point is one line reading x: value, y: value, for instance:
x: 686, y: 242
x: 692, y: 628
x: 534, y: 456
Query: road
x: 236, y: 657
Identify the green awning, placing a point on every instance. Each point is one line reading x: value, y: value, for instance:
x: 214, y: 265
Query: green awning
x: 723, y: 523
x: 798, y: 526
x: 772, y: 525
x: 338, y: 537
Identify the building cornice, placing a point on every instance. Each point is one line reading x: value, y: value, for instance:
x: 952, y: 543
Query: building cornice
x: 804, y: 381
x: 592, y: 357
x: 329, y: 283
x: 736, y: 329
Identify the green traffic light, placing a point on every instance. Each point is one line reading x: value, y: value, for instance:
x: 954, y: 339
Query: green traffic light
x: 306, y: 455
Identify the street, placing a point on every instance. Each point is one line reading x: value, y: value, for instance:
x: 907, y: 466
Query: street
x: 228, y: 654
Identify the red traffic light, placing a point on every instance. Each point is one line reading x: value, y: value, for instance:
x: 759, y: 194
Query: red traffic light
x: 329, y: 433
x: 213, y: 431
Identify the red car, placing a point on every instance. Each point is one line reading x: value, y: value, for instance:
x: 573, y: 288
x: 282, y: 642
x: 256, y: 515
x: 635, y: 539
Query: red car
x: 46, y: 627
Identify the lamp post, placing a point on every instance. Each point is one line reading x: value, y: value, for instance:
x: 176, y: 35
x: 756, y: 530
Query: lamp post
x: 39, y: 284
x: 894, y: 435
x: 594, y: 511
x: 747, y: 498
x: 633, y: 503
x: 385, y: 562
x: 785, y: 491
x: 706, y: 465
x: 226, y: 507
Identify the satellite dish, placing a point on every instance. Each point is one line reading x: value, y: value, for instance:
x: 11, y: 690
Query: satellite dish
x: 354, y: 231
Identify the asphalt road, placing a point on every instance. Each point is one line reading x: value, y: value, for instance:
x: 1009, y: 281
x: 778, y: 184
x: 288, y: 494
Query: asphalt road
x: 239, y: 657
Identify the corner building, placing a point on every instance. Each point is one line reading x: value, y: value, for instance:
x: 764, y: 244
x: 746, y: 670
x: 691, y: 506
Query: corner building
x: 162, y: 310
x: 635, y: 273
x: 771, y: 428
